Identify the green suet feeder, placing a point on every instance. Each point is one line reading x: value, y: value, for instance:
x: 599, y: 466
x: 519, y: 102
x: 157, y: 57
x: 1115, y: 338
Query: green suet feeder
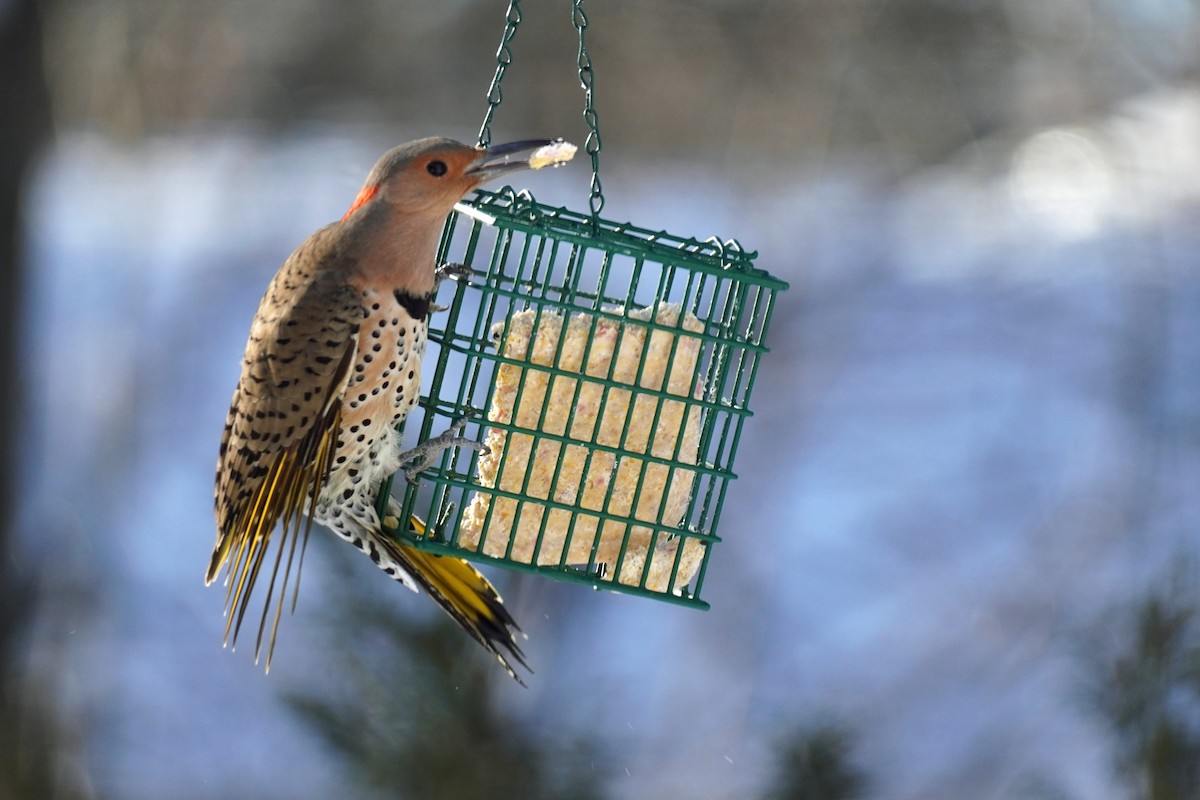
x: 608, y: 368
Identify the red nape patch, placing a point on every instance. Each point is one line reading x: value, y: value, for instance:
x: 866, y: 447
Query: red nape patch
x: 364, y: 194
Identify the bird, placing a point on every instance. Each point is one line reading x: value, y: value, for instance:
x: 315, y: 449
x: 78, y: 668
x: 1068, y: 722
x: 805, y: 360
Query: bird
x: 332, y: 365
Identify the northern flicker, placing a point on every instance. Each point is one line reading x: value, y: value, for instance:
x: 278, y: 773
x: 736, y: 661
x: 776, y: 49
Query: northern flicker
x: 332, y: 365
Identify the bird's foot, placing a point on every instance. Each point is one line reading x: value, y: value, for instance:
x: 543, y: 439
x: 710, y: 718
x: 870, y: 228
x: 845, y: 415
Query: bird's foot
x: 451, y: 270
x: 423, y: 454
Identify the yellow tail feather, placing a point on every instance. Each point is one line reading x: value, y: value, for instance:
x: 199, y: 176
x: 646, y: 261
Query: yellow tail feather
x: 466, y: 595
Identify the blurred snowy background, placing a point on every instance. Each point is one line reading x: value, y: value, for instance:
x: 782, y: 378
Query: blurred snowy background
x: 960, y: 561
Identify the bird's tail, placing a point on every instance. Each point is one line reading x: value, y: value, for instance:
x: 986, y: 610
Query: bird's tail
x: 465, y: 594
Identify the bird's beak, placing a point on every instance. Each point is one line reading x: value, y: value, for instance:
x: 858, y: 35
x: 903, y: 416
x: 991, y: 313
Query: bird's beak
x: 497, y: 159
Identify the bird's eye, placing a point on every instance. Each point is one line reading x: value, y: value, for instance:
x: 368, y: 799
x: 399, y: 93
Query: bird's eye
x: 436, y: 168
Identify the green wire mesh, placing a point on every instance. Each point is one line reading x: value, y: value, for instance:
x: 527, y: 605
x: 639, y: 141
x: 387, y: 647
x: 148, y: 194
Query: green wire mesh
x: 611, y: 368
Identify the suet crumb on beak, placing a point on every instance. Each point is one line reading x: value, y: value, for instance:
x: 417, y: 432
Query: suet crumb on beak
x: 554, y: 154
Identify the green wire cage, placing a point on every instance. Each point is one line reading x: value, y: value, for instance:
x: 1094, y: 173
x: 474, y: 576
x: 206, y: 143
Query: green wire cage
x: 608, y: 369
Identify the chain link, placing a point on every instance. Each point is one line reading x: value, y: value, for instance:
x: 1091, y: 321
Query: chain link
x: 587, y: 79
x: 504, y: 57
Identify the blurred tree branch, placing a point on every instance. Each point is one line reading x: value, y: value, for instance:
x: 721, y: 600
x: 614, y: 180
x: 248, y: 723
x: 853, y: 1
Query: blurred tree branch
x: 412, y: 714
x: 1145, y: 682
x: 814, y: 764
x: 909, y: 81
x: 27, y: 737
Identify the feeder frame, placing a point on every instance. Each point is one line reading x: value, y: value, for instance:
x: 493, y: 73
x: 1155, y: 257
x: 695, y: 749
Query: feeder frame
x: 571, y: 269
x: 557, y: 263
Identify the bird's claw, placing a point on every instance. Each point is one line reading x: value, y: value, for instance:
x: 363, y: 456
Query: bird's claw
x: 424, y: 453
x: 452, y: 270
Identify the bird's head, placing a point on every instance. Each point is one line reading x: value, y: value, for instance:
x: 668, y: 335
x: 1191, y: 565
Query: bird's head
x: 431, y: 175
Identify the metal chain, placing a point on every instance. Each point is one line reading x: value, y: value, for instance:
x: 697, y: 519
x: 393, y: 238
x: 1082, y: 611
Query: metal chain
x: 587, y: 79
x: 504, y: 57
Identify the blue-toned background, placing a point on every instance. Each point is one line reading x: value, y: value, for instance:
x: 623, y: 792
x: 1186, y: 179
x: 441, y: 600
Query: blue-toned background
x: 958, y: 561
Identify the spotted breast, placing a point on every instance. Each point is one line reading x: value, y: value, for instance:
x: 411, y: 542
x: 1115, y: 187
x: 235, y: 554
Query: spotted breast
x: 382, y: 388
